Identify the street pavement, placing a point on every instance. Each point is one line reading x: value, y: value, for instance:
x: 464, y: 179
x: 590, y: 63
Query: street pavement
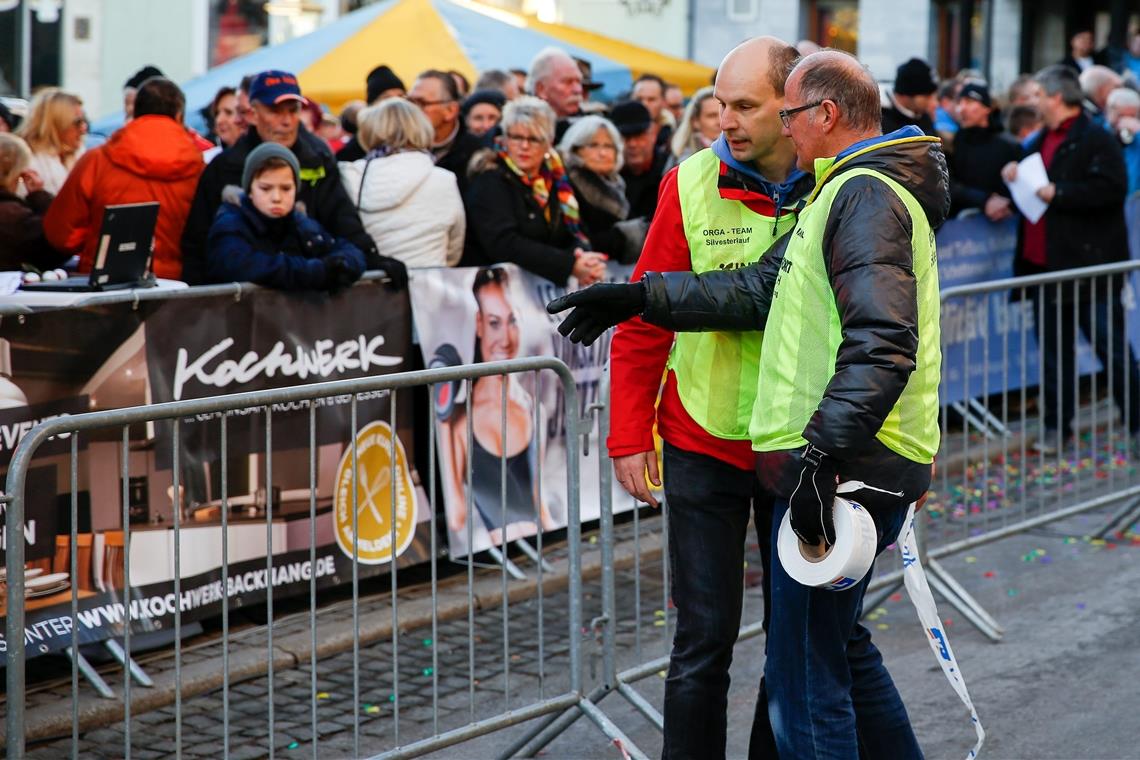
x: 1063, y: 683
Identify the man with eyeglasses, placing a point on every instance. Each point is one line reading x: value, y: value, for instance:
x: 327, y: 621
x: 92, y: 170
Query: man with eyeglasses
x: 275, y: 116
x: 436, y: 94
x: 847, y: 386
x: 722, y: 208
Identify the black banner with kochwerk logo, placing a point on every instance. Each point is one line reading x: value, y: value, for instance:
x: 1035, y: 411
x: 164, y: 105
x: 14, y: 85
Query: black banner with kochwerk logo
x: 274, y: 340
x: 103, y: 615
x: 367, y: 500
x: 40, y: 515
x: 16, y: 422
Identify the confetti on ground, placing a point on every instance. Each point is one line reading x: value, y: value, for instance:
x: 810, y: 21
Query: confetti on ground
x: 971, y: 559
x: 593, y: 539
x: 1011, y: 592
x: 658, y: 623
x: 948, y: 622
x: 1080, y: 605
x: 661, y: 673
x: 896, y: 597
x: 882, y: 626
x: 391, y: 697
x: 427, y: 642
x: 989, y: 574
x: 372, y: 709
x: 322, y: 695
x: 659, y: 613
x: 428, y: 671
x: 293, y: 745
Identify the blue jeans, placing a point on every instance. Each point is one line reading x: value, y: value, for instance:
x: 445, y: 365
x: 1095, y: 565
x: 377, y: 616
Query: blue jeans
x: 829, y: 695
x: 709, y: 504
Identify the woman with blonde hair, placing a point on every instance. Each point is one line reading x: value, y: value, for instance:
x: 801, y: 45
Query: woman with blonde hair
x: 54, y: 130
x: 410, y: 206
x: 22, y: 240
x: 699, y: 127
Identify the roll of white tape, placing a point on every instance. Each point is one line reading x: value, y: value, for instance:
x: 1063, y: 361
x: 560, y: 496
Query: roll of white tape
x: 845, y: 563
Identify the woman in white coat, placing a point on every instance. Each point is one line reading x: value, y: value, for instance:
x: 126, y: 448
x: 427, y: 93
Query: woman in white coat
x: 410, y: 207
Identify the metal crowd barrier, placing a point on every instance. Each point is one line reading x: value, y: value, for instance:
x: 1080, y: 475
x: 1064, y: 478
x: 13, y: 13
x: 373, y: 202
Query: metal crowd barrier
x: 488, y: 707
x: 1001, y: 471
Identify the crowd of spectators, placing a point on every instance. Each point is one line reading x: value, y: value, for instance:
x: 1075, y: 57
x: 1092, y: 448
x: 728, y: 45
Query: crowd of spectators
x: 521, y: 167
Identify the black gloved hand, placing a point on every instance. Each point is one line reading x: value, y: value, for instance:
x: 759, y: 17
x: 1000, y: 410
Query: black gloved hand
x: 340, y: 273
x: 597, y: 309
x: 396, y: 271
x: 812, y: 501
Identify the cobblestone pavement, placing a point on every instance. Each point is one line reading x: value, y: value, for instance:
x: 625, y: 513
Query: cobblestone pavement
x: 468, y: 681
x: 365, y: 724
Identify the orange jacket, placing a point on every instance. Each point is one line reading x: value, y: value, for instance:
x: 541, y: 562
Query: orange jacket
x: 152, y: 158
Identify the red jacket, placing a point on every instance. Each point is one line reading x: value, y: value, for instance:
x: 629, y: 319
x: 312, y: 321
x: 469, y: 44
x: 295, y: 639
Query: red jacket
x: 639, y: 352
x: 152, y: 158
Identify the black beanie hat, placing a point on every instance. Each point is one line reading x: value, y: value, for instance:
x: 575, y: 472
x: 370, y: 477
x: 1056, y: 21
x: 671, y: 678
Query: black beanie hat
x: 140, y: 76
x: 492, y: 97
x: 380, y: 79
x: 915, y: 78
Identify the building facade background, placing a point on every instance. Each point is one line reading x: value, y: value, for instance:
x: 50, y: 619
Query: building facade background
x: 92, y: 46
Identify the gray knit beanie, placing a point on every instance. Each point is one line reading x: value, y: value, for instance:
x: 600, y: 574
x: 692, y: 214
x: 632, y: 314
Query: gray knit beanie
x: 262, y: 153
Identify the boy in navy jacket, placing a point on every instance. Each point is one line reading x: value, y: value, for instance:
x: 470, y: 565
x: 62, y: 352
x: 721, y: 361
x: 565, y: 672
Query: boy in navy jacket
x: 262, y: 235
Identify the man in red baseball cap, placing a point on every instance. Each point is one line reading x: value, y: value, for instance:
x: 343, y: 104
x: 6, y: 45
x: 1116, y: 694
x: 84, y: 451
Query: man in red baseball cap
x: 275, y: 116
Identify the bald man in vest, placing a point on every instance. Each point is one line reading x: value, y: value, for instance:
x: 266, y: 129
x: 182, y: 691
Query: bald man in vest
x: 720, y: 209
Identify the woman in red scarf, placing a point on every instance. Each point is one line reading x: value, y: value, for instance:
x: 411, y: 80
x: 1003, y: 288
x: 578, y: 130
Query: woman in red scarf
x: 520, y: 206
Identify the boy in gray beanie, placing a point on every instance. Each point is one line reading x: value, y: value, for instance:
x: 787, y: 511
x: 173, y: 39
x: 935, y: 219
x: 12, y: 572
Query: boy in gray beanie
x: 262, y: 235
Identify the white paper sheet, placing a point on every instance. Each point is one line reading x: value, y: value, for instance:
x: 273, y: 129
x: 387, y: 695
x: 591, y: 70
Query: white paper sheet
x: 1031, y: 177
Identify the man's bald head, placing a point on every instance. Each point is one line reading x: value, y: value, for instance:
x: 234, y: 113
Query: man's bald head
x: 769, y: 55
x: 839, y: 77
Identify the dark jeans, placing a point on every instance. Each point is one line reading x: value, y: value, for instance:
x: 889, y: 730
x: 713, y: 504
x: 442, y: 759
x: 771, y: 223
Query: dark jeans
x: 1096, y: 321
x: 829, y: 695
x: 709, y: 503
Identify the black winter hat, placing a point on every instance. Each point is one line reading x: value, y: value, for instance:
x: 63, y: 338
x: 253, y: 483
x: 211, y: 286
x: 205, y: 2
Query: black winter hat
x: 976, y: 91
x: 380, y: 79
x: 631, y: 118
x: 140, y: 76
x: 915, y: 77
x: 492, y: 97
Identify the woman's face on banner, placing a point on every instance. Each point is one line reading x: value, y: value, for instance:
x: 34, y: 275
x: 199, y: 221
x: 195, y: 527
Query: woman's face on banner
x: 496, y: 325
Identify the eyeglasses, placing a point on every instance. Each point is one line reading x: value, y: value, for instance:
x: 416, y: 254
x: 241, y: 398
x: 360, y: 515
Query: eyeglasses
x: 786, y: 114
x: 526, y: 140
x: 607, y: 147
x: 421, y: 103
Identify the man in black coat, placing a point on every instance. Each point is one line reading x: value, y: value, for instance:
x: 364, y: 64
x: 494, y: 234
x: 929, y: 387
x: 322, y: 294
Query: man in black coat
x: 911, y: 99
x: 1083, y: 226
x: 644, y: 159
x: 275, y: 100
x: 981, y: 149
x: 437, y: 95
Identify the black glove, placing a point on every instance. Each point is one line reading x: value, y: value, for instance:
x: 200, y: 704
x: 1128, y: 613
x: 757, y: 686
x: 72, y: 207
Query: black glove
x: 812, y: 501
x: 597, y: 309
x: 396, y: 271
x: 340, y: 273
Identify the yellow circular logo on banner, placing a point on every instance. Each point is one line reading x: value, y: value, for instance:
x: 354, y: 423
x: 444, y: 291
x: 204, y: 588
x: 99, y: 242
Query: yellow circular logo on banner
x: 373, y: 504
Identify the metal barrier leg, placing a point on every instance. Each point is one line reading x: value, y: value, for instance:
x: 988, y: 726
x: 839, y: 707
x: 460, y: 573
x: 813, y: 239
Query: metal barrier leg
x: 525, y: 547
x: 135, y: 669
x: 501, y: 558
x: 620, y: 740
x: 872, y: 603
x: 966, y: 605
x: 642, y: 705
x: 550, y: 728
x: 91, y: 675
x: 1120, y: 519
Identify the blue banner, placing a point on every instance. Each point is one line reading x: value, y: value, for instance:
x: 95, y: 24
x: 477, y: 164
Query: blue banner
x: 989, y: 342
